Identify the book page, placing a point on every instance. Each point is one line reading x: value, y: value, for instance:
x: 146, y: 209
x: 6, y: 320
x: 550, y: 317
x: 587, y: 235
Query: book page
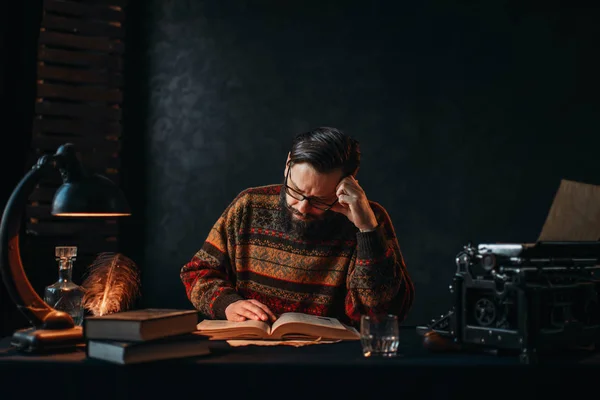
x: 223, y: 325
x: 144, y: 314
x: 294, y: 343
x: 307, y: 319
x: 574, y: 214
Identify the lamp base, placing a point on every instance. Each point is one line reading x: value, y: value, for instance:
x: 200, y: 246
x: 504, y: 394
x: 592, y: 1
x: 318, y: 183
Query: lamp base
x: 32, y: 340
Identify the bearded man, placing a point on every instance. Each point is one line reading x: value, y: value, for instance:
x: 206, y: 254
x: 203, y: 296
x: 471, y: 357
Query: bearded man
x: 313, y: 244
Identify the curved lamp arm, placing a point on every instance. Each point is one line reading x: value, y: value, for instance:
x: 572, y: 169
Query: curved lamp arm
x: 36, y: 310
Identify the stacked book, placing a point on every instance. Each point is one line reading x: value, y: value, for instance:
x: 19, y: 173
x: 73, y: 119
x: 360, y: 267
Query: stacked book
x: 144, y: 335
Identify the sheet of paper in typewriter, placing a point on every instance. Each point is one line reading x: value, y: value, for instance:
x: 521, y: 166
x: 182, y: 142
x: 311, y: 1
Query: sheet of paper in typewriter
x: 574, y: 214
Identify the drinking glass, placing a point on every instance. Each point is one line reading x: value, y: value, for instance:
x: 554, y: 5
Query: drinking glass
x: 379, y: 335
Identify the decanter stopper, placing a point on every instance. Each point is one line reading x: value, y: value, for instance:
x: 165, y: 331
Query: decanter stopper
x: 65, y: 252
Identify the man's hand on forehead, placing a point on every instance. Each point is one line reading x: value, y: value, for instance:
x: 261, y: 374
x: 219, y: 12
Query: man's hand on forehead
x: 354, y: 204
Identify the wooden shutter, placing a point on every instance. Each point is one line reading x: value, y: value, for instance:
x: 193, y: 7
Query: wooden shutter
x: 79, y: 97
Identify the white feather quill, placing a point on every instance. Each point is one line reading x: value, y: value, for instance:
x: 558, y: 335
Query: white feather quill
x: 111, y: 285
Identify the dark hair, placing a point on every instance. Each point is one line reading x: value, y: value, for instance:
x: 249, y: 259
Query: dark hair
x: 326, y: 149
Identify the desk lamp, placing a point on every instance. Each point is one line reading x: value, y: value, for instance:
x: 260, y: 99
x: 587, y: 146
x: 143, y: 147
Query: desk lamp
x: 81, y: 194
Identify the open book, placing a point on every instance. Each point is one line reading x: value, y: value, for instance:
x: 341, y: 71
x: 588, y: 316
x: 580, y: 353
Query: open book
x: 288, y: 326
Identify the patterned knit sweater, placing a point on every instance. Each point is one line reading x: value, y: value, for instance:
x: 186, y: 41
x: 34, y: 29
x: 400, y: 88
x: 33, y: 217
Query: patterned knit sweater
x: 250, y: 254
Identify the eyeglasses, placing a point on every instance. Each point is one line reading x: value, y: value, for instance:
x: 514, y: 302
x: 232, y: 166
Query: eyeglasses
x: 318, y: 204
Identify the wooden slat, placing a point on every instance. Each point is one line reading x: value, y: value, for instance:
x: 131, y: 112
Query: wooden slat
x: 97, y: 12
x: 96, y: 162
x: 118, y: 3
x: 76, y: 127
x: 86, y: 253
x: 87, y: 247
x: 99, y: 163
x: 79, y: 93
x: 80, y: 42
x: 86, y: 239
x: 38, y: 211
x: 84, y: 144
x: 113, y: 174
x: 89, y: 112
x: 79, y: 75
x: 67, y: 57
x: 43, y: 194
x: 74, y: 25
x: 54, y: 180
x: 71, y: 228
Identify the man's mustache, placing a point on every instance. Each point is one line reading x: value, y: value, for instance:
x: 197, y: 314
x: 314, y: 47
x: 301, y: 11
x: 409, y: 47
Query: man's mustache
x: 294, y: 211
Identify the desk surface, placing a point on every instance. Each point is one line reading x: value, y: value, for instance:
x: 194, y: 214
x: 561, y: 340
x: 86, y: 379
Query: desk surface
x: 322, y: 370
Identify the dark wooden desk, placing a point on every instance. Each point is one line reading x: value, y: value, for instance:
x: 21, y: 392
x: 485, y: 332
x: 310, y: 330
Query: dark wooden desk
x: 321, y: 371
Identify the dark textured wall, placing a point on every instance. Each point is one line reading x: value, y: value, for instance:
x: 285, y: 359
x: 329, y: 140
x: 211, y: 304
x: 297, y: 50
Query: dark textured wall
x: 468, y: 114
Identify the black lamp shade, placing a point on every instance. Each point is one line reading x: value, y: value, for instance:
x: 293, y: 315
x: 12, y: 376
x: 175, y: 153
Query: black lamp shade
x: 92, y: 196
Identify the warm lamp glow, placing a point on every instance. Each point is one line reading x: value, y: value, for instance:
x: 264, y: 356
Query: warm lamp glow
x: 93, y: 215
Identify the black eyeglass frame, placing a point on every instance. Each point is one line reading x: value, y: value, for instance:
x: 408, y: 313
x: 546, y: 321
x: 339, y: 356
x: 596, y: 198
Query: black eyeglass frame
x: 313, y: 202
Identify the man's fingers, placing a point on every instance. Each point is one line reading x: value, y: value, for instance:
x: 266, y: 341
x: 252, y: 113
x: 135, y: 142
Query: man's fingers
x: 248, y: 314
x: 256, y: 312
x: 344, y: 199
x: 345, y: 191
x: 268, y: 311
x: 264, y: 308
x: 337, y: 207
x: 349, y: 183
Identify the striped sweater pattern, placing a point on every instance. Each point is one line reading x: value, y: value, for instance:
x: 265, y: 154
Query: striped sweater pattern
x: 250, y: 253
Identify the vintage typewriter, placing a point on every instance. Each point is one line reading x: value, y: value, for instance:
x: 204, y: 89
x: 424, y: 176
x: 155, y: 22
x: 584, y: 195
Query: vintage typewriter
x: 527, y: 299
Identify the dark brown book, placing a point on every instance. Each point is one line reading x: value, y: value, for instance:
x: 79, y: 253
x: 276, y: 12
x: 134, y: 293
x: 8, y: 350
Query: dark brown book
x: 140, y: 325
x: 172, y: 347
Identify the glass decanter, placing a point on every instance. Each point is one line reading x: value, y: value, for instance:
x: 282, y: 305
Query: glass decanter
x: 64, y: 294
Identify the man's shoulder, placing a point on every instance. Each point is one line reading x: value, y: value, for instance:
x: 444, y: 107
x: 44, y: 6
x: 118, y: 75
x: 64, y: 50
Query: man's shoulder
x: 376, y: 207
x: 263, y: 190
x: 258, y: 194
x: 380, y: 212
x: 268, y: 190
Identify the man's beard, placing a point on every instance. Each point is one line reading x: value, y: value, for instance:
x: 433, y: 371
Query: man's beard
x: 311, y: 228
